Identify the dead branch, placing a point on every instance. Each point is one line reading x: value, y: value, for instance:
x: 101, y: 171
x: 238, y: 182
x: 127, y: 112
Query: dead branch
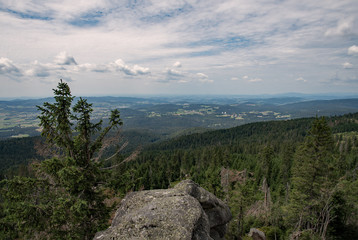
x: 107, y: 142
x: 128, y: 159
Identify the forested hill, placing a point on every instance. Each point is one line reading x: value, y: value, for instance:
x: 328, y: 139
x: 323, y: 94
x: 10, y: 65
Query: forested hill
x: 272, y: 132
x: 322, y: 107
x: 19, y: 152
x: 270, y: 173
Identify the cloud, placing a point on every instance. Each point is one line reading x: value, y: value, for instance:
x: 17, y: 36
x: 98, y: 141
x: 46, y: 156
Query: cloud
x: 347, y: 65
x: 254, y: 80
x: 353, y: 50
x: 174, y: 73
x: 64, y: 59
x: 177, y: 64
x: 41, y: 70
x: 8, y: 67
x: 337, y: 80
x: 352, y: 80
x: 182, y: 76
x: 100, y: 68
x: 218, y: 38
x: 116, y: 66
x: 251, y: 80
x: 301, y: 79
x: 344, y: 27
x: 204, y: 78
x: 119, y: 65
x: 65, y: 65
x: 34, y: 69
x: 138, y: 70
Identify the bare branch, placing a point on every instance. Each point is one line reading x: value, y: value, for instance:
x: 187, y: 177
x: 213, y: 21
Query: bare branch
x: 108, y: 142
x: 128, y: 159
x: 118, y: 151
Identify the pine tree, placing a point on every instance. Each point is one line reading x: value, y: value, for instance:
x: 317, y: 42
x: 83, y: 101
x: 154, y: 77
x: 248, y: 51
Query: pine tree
x: 312, y: 185
x: 65, y: 200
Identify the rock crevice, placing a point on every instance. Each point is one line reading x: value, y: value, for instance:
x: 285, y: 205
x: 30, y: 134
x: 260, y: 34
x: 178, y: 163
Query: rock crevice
x: 186, y: 211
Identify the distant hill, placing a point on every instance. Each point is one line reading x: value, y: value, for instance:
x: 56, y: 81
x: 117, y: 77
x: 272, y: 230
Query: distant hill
x: 322, y: 107
x: 169, y: 115
x: 270, y: 132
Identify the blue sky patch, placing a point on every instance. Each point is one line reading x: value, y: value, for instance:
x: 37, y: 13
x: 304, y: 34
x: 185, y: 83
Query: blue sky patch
x: 165, y: 15
x: 87, y: 20
x: 224, y: 43
x: 27, y: 15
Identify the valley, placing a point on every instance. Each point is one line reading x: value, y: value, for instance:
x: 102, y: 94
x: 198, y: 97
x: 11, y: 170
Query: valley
x: 168, y: 116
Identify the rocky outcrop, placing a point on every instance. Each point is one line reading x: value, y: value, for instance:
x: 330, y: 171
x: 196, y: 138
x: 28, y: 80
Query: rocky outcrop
x: 186, y: 211
x: 257, y: 234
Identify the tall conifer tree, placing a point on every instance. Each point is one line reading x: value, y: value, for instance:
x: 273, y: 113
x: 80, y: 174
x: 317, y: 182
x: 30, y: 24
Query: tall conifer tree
x: 312, y: 184
x: 65, y: 200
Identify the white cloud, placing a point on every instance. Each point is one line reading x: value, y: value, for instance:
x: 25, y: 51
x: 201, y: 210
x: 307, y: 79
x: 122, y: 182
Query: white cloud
x: 8, y: 67
x: 174, y: 73
x: 183, y: 80
x: 344, y: 27
x: 101, y: 68
x: 65, y: 64
x: 181, y: 76
x: 251, y: 80
x: 234, y: 79
x: 347, y: 65
x: 254, y: 80
x: 138, y: 70
x: 41, y: 70
x: 119, y: 65
x: 301, y: 79
x: 218, y: 38
x: 353, y: 50
x: 204, y: 78
x: 116, y: 66
x: 177, y: 64
x: 64, y: 59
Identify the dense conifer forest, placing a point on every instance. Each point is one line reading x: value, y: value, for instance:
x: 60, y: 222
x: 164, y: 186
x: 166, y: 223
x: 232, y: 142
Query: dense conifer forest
x: 293, y: 179
x: 289, y: 178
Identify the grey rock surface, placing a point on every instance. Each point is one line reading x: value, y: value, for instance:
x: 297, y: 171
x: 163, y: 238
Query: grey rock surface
x: 186, y: 211
x: 256, y: 234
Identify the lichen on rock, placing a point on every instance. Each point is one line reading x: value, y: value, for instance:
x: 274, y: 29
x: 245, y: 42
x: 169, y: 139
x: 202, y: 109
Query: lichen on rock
x: 186, y: 211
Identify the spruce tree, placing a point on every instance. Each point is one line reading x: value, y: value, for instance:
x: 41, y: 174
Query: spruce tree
x: 312, y: 183
x: 65, y: 200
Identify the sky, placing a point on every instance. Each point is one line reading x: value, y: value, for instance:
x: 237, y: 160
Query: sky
x: 135, y: 47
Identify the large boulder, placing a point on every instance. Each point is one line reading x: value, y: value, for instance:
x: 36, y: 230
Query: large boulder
x: 257, y: 234
x: 186, y: 211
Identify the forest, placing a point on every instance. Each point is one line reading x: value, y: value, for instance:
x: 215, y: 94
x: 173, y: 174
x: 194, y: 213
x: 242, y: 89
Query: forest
x: 293, y: 179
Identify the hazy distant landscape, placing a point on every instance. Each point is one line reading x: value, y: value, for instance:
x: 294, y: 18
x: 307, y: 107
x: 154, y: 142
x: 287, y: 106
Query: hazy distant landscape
x: 171, y: 115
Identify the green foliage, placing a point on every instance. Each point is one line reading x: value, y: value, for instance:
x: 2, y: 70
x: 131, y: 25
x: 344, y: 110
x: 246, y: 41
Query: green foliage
x: 242, y: 196
x: 310, y: 166
x: 266, y: 158
x: 15, y: 155
x: 313, y: 182
x: 65, y: 200
x: 272, y: 233
x: 24, y: 214
x: 299, y: 163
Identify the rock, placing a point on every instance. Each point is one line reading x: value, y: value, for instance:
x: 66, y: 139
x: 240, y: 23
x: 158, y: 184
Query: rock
x: 186, y: 211
x: 217, y: 211
x: 257, y: 234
